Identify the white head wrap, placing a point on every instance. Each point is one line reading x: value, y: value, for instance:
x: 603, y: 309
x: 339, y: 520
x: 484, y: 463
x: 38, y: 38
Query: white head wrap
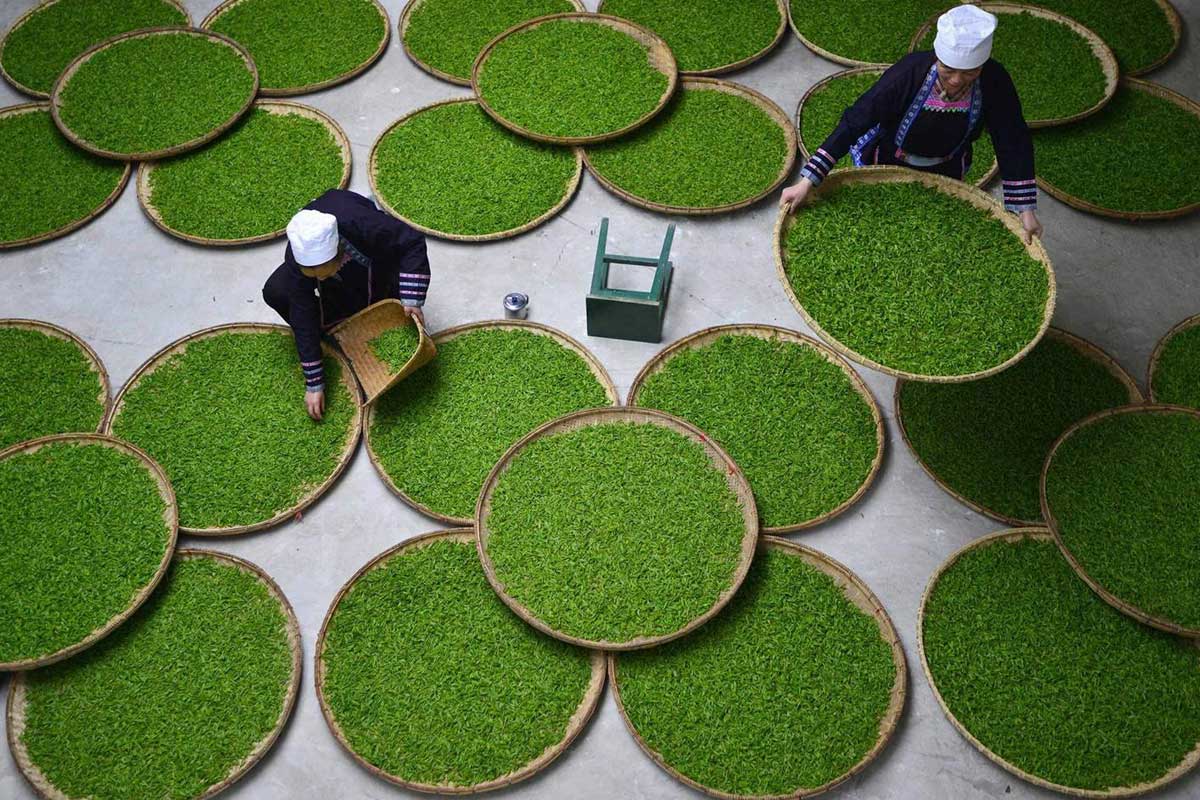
x: 964, y: 37
x: 313, y: 236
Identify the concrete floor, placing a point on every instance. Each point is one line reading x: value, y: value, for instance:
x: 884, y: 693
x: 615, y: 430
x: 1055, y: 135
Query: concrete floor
x: 128, y: 289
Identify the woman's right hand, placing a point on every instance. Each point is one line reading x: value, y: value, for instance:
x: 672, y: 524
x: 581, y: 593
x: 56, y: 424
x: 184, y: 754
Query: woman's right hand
x: 794, y: 196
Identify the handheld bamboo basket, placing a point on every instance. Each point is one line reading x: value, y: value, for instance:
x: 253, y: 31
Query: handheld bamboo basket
x: 583, y: 713
x: 354, y: 336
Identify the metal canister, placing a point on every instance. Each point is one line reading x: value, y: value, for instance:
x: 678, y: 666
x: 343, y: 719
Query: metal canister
x: 516, y: 305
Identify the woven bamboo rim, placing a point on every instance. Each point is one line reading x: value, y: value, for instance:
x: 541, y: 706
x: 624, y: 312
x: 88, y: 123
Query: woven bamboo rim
x: 406, y: 20
x: 94, y: 362
x: 658, y: 53
x: 354, y: 396
x: 174, y: 150
x: 806, y: 152
x: 1084, y: 348
x: 578, y: 721
x: 858, y: 593
x: 1176, y: 24
x: 291, y: 91
x: 170, y: 517
x: 719, y: 460
x: 18, y: 692
x: 145, y: 174
x: 355, y: 333
x: 705, y: 337
x: 1187, y: 324
x: 447, y: 335
x: 1163, y: 93
x: 21, y: 20
x: 63, y: 230
x: 829, y: 55
x: 1013, y: 536
x: 741, y: 63
x: 1122, y: 605
x: 1100, y: 49
x: 763, y: 103
x: 948, y: 186
x: 373, y: 176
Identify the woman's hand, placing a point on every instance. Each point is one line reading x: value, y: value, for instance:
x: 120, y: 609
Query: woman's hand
x: 314, y: 402
x: 1032, y: 226
x: 415, y: 313
x: 794, y: 196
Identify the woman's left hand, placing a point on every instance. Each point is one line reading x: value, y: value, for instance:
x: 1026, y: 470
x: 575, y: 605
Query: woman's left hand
x: 1032, y: 225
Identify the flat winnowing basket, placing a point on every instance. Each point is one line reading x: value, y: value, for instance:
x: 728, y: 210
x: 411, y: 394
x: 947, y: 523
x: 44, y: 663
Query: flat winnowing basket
x: 355, y: 334
x: 1156, y: 356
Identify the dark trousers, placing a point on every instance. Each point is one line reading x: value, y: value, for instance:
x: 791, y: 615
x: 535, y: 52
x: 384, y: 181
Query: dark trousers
x: 275, y: 292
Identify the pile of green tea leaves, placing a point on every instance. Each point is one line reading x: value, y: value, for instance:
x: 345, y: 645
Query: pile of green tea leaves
x: 448, y: 35
x: 300, y: 43
x: 1052, y: 680
x: 246, y: 184
x: 396, y: 346
x: 1136, y: 30
x: 614, y: 531
x: 173, y: 701
x: 1124, y: 494
x: 83, y: 534
x: 571, y: 78
x: 1053, y: 67
x: 1176, y: 377
x: 433, y: 680
x: 226, y: 420
x: 48, y: 182
x: 438, y: 433
x: 704, y: 35
x: 914, y: 279
x: 823, y: 109
x: 791, y: 419
x: 36, y: 52
x: 453, y: 169
x: 1136, y: 124
x: 152, y: 93
x: 784, y: 691
x: 987, y: 439
x: 47, y: 386
x: 709, y: 148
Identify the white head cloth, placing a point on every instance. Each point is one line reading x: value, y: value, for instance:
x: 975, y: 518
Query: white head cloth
x: 313, y: 236
x: 964, y: 37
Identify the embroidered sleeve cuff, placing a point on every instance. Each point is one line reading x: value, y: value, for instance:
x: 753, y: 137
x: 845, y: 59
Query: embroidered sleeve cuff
x: 411, y: 303
x: 1020, y: 195
x: 320, y: 387
x: 818, y: 166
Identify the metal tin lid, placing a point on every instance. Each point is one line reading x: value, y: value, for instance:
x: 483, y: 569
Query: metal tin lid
x: 515, y: 301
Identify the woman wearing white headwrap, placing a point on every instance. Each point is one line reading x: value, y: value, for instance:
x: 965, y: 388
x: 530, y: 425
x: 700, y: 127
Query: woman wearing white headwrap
x: 928, y: 108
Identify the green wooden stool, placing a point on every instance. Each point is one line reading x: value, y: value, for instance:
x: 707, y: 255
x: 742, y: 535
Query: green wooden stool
x: 623, y: 313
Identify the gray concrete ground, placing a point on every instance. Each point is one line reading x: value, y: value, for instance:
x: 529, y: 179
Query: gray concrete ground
x: 129, y: 289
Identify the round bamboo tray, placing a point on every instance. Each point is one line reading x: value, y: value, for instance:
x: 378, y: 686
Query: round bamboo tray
x: 579, y: 720
x: 1017, y: 535
x: 765, y: 104
x: 291, y: 91
x: 354, y: 396
x: 1176, y: 25
x: 958, y: 189
x: 146, y: 169
x: 1087, y: 350
x: 94, y: 362
x: 18, y: 692
x: 42, y: 6
x: 827, y: 54
x: 440, y: 339
x: 806, y: 151
x: 861, y: 596
x: 1162, y: 92
x: 606, y: 416
x: 705, y: 337
x: 1122, y: 605
x: 30, y: 108
x: 1187, y: 324
x: 1101, y: 50
x: 741, y: 63
x: 658, y: 52
x: 373, y: 176
x: 406, y: 20
x: 170, y: 517
x: 150, y: 155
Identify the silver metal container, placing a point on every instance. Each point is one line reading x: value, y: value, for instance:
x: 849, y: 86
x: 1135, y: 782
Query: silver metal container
x: 516, y: 305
